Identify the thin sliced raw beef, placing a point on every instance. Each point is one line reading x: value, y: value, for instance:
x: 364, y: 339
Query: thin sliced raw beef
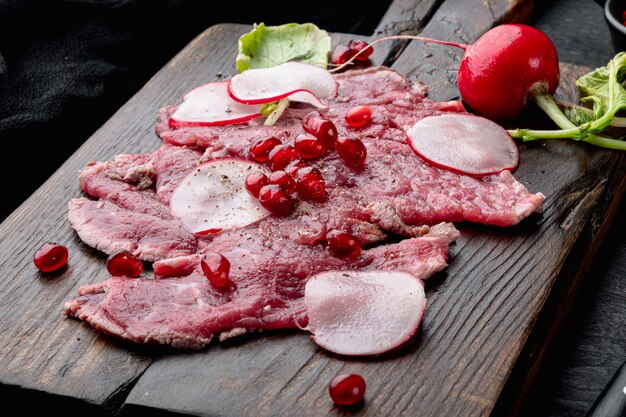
x: 397, y: 193
x: 268, y: 277
x: 101, y: 180
x: 172, y: 164
x: 109, y: 227
x: 395, y: 102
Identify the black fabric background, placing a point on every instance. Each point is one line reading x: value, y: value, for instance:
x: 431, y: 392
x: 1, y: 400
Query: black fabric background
x: 67, y: 65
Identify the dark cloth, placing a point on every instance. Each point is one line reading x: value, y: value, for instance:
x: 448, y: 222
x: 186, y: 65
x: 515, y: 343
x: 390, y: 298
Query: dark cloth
x: 67, y: 65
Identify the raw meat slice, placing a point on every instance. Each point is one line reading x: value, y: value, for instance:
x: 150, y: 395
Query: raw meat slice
x: 268, y: 277
x: 103, y: 180
x: 397, y: 192
x: 171, y: 164
x: 108, y: 228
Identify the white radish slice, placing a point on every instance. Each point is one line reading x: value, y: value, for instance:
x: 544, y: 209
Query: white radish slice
x: 211, y: 105
x: 293, y: 80
x: 464, y: 143
x: 363, y: 312
x: 212, y: 198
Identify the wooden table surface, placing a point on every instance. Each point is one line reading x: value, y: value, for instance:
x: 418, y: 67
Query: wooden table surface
x: 592, y: 343
x: 588, y: 352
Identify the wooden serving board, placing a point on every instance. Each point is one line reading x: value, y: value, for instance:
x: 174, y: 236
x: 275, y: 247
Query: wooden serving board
x: 491, y: 314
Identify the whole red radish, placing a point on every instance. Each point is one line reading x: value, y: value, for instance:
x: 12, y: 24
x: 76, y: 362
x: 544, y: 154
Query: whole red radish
x: 499, y: 72
x: 505, y: 67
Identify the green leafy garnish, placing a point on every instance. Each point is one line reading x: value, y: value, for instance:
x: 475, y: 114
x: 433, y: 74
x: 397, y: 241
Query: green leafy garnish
x: 602, y: 87
x: 268, y: 46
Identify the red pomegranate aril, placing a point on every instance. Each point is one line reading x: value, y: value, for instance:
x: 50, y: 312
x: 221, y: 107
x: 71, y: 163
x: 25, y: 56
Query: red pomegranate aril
x: 216, y: 269
x: 50, y: 257
x: 343, y: 245
x: 254, y: 182
x: 357, y: 45
x: 275, y: 199
x: 347, y: 389
x: 320, y: 127
x: 281, y: 156
x: 359, y: 116
x: 352, y: 151
x: 311, y: 185
x: 260, y: 150
x: 309, y: 147
x: 341, y: 54
x: 284, y: 180
x: 293, y: 168
x: 124, y: 263
x: 309, y: 119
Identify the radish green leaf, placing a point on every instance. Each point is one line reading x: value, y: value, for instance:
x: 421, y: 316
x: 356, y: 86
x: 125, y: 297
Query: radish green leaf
x: 269, y: 46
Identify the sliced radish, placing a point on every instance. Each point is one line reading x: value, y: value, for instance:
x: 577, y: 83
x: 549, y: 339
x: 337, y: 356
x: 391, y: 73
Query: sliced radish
x: 464, y: 143
x: 293, y: 80
x: 210, y: 105
x: 363, y: 312
x: 212, y: 197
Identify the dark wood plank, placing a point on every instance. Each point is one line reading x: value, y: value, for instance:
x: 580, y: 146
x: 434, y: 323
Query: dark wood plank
x: 404, y: 17
x: 39, y: 348
x: 590, y: 346
x: 458, y: 22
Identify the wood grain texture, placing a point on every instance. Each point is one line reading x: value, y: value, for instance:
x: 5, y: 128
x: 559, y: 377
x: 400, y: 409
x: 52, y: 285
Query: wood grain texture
x: 404, y: 17
x: 457, y: 22
x: 40, y: 349
x: 591, y: 345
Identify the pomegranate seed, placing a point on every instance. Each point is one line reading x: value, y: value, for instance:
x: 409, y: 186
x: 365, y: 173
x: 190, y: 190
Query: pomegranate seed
x: 308, y: 119
x: 343, y: 245
x: 293, y: 168
x: 320, y: 127
x: 359, y: 116
x: 309, y: 147
x: 311, y: 184
x: 347, y: 389
x: 216, y: 269
x: 281, y: 156
x: 284, y: 180
x: 50, y: 257
x: 124, y: 263
x: 275, y: 199
x: 357, y: 45
x: 352, y: 151
x: 254, y: 183
x: 341, y: 54
x: 260, y: 150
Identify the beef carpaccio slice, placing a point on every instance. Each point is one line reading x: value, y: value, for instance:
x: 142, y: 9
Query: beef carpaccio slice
x: 268, y: 277
x: 396, y: 193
